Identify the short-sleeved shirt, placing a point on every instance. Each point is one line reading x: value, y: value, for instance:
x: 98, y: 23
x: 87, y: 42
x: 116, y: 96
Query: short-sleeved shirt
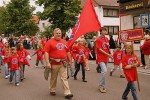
x: 117, y: 57
x: 87, y: 52
x: 14, y: 60
x: 101, y: 43
x: 23, y: 53
x: 129, y: 73
x: 80, y: 53
x: 56, y: 49
x: 39, y: 54
x: 5, y: 53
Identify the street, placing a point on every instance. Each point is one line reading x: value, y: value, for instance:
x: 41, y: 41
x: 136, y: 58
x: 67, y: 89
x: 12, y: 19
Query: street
x: 35, y: 87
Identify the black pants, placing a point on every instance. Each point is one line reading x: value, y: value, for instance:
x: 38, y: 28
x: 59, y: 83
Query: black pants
x: 142, y: 58
x: 37, y: 62
x: 78, y: 68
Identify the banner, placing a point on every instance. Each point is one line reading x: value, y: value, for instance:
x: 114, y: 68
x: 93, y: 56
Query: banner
x: 131, y: 35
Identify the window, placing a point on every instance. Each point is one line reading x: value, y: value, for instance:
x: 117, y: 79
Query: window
x: 112, y: 29
x: 108, y: 12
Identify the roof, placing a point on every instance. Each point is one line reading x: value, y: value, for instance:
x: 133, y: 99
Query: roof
x: 102, y: 2
x: 36, y: 19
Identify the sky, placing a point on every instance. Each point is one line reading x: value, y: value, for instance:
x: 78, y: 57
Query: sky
x: 32, y: 3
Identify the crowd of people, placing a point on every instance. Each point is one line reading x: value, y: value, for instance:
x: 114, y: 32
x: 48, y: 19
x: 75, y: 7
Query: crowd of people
x: 59, y: 58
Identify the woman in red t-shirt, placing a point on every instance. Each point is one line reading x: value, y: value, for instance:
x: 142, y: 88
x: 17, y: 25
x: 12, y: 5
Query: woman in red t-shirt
x: 1, y: 47
x: 80, y: 59
x: 5, y: 55
x: 129, y: 63
x: 87, y: 53
x: 23, y: 54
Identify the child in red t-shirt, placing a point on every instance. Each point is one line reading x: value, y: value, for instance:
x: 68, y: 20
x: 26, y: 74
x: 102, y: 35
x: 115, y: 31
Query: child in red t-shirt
x: 1, y: 47
x: 5, y: 55
x: 129, y: 63
x: 87, y: 53
x: 117, y: 61
x: 80, y: 59
x: 39, y: 52
x: 14, y: 62
x: 23, y: 55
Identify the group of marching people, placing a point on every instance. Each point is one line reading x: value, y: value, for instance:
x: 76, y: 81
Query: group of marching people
x: 55, y: 50
x: 15, y: 58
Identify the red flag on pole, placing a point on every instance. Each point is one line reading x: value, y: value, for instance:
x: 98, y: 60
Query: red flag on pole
x: 87, y: 22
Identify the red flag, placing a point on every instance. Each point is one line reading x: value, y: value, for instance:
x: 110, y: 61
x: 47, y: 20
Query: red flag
x: 87, y: 22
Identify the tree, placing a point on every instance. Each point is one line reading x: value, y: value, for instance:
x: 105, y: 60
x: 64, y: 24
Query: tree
x: 20, y: 17
x: 61, y: 13
x: 3, y: 20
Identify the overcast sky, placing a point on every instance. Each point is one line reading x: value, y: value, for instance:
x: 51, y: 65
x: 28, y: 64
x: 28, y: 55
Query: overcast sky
x: 32, y: 3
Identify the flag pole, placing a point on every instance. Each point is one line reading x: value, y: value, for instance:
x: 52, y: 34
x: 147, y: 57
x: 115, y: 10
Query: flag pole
x: 138, y: 83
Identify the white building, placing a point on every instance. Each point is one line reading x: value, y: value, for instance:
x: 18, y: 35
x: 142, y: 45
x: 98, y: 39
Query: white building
x: 43, y: 24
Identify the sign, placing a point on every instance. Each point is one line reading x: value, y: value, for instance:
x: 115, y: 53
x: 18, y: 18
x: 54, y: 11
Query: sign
x: 131, y: 35
x: 144, y: 20
x: 135, y: 7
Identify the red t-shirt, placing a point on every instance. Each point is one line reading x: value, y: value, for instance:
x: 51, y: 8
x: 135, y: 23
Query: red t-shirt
x: 129, y: 73
x: 117, y: 57
x: 80, y: 50
x: 56, y: 49
x: 39, y: 54
x: 1, y: 47
x: 101, y: 43
x: 23, y: 53
x: 5, y: 53
x: 73, y: 52
x: 87, y: 52
x: 43, y: 42
x: 14, y: 60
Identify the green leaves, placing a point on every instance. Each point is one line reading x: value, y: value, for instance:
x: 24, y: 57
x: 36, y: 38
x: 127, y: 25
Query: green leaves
x: 61, y: 13
x: 19, y: 15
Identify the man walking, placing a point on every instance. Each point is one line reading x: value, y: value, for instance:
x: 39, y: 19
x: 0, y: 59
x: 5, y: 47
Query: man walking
x: 57, y: 51
x: 102, y: 50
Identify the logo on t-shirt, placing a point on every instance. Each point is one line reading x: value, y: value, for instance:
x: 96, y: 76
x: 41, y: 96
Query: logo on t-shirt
x: 60, y: 46
x: 40, y: 53
x: 104, y: 45
x: 130, y: 61
x: 81, y: 51
x: 22, y: 54
x: 119, y: 56
x: 14, y: 61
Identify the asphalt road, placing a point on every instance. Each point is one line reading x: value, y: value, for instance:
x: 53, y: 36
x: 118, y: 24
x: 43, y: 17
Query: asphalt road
x: 34, y: 87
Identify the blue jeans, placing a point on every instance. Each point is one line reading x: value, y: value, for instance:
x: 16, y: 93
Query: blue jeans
x: 6, y: 69
x: 103, y: 66
x: 16, y: 73
x: 130, y: 86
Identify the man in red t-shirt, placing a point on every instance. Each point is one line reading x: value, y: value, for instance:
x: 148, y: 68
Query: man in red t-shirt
x: 56, y: 50
x: 102, y: 50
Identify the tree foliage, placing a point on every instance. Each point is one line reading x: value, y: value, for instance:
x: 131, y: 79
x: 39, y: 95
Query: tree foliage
x: 61, y: 13
x: 3, y: 20
x: 19, y: 17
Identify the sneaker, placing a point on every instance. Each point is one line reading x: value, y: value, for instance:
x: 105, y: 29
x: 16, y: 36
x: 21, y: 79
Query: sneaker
x: 111, y: 73
x: 75, y: 78
x: 35, y: 66
x: 102, y: 90
x: 69, y: 96
x: 17, y: 84
x: 6, y: 77
x: 52, y: 93
x: 121, y: 76
x: 84, y: 81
